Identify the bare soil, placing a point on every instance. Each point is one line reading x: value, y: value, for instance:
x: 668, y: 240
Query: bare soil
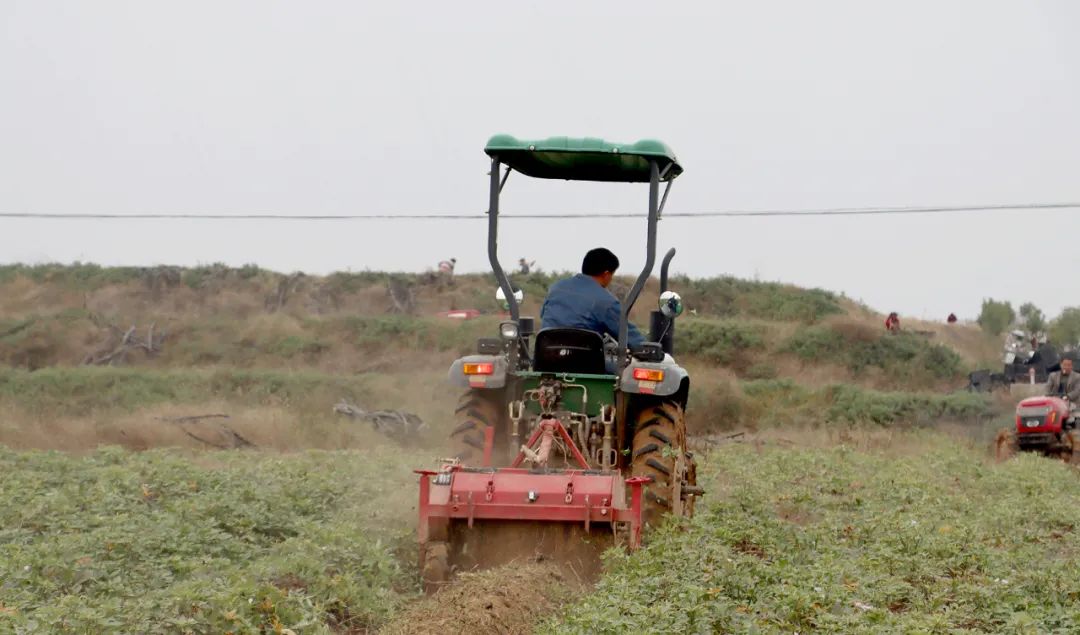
x: 512, y: 598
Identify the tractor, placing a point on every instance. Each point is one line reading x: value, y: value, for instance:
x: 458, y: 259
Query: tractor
x: 565, y: 441
x: 1043, y: 424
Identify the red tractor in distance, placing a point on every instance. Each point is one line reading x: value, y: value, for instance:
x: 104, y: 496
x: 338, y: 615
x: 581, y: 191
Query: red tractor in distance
x: 1045, y: 425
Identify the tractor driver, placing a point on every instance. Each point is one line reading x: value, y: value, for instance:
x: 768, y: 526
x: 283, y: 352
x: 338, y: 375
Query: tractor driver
x: 584, y: 302
x: 1065, y: 383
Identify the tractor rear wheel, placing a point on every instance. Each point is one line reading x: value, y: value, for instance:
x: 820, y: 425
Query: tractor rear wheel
x: 1005, y: 446
x: 477, y: 410
x: 1070, y: 447
x: 659, y: 451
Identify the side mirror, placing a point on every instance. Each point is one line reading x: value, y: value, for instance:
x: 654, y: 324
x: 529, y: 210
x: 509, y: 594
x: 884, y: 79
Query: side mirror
x: 671, y: 304
x: 519, y: 295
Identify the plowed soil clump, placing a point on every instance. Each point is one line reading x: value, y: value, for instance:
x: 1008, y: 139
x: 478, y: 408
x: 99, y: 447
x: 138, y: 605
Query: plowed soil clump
x: 508, y: 599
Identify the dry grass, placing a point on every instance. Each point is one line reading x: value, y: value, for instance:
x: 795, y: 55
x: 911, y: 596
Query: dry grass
x: 265, y: 428
x: 971, y: 342
x: 270, y: 421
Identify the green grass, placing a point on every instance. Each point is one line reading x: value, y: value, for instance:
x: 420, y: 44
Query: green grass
x: 158, y: 542
x: 838, y: 541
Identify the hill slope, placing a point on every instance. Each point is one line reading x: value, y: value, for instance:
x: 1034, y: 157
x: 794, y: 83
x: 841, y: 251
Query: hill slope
x: 759, y: 353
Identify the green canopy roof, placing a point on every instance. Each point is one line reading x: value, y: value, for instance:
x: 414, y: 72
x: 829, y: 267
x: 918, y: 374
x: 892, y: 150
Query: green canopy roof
x: 585, y: 159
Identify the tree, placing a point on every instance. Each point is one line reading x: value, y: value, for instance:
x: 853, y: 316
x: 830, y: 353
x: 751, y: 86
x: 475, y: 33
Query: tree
x: 1034, y: 318
x: 996, y: 316
x: 1065, y: 329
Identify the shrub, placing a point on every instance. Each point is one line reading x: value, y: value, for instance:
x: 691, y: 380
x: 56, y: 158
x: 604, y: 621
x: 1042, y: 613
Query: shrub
x: 761, y: 370
x: 903, y: 356
x: 197, y: 277
x: 1065, y: 329
x: 413, y: 333
x: 1034, y: 318
x: 78, y: 275
x: 718, y: 341
x: 782, y: 402
x: 857, y: 405
x: 293, y: 345
x: 720, y: 407
x: 996, y: 316
x: 726, y: 297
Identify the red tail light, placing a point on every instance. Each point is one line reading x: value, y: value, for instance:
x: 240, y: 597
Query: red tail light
x: 481, y: 368
x: 648, y: 374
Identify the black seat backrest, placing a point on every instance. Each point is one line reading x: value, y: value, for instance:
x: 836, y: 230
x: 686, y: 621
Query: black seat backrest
x: 561, y: 350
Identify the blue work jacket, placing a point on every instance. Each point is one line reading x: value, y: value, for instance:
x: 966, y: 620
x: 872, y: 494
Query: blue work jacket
x: 580, y: 302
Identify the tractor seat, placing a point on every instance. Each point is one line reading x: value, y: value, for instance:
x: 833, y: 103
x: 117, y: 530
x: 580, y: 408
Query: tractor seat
x: 565, y: 350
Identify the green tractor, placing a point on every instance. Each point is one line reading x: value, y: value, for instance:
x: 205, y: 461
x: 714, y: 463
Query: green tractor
x: 563, y: 428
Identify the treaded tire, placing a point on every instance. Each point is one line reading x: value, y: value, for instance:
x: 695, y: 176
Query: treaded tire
x: 1005, y: 446
x: 434, y: 565
x: 477, y: 410
x: 659, y: 437
x: 1070, y: 452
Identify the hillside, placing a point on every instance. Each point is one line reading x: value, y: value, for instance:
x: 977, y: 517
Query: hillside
x: 760, y: 353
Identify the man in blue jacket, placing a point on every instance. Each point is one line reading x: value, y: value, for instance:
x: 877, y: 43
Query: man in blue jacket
x: 584, y: 302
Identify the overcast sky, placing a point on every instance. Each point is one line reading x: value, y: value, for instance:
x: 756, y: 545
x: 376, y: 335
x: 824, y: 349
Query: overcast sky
x: 354, y: 107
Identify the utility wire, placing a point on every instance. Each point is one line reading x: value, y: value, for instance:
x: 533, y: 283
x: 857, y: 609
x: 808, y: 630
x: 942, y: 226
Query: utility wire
x: 835, y: 211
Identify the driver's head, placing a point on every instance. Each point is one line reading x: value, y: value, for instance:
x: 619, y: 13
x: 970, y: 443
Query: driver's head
x: 1066, y: 366
x: 600, y: 264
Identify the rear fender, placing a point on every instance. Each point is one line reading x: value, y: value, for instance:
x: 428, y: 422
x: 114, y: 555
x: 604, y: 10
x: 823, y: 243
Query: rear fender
x: 497, y: 379
x: 674, y: 378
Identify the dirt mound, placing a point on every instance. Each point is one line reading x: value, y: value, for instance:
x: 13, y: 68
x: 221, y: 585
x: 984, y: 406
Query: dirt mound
x: 492, y: 544
x: 509, y: 599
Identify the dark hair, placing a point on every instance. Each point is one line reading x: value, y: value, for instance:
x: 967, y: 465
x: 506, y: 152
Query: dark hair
x: 599, y: 260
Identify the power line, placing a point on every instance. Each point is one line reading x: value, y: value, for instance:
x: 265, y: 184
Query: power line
x: 835, y: 211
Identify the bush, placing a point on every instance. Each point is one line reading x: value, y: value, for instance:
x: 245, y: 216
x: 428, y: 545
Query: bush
x: 782, y: 402
x: 816, y: 344
x: 718, y: 341
x: 720, y: 407
x: 78, y: 275
x: 293, y: 345
x: 728, y: 297
x: 996, y: 316
x: 761, y: 370
x: 1065, y: 329
x: 248, y: 271
x: 857, y: 405
x: 903, y: 356
x: 1034, y: 318
x: 413, y: 333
